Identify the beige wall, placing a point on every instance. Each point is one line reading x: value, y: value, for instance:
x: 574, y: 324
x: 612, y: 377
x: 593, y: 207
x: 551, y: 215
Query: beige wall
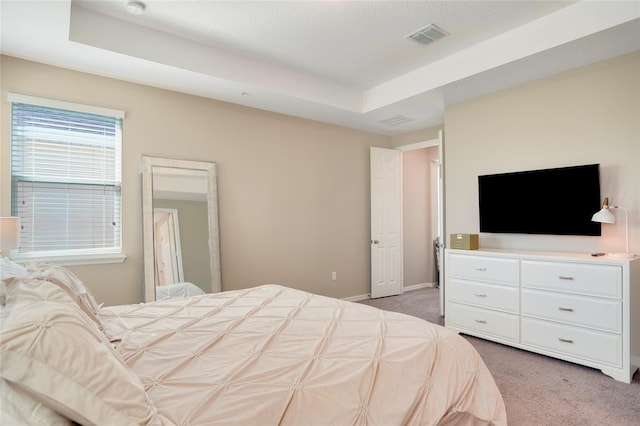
x: 423, y: 135
x: 294, y: 193
x: 583, y: 116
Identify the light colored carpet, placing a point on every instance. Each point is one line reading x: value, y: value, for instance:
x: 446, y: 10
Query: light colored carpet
x: 537, y: 390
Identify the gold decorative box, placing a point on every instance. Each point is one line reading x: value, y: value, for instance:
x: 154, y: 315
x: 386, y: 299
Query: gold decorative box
x: 464, y: 241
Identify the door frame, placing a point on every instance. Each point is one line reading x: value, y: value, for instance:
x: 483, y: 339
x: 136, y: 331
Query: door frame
x: 439, y: 142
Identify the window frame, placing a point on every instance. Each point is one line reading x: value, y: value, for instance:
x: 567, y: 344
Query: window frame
x: 72, y: 257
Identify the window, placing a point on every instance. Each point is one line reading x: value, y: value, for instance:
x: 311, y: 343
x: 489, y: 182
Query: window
x: 66, y: 180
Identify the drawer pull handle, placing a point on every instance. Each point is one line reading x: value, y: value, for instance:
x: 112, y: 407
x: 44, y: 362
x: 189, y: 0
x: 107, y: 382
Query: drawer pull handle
x: 481, y: 321
x: 564, y: 277
x: 565, y: 309
x: 481, y: 295
x: 480, y: 268
x: 565, y: 340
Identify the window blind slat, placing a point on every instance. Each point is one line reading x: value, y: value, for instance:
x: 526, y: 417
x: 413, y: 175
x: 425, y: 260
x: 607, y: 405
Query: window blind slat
x: 66, y: 179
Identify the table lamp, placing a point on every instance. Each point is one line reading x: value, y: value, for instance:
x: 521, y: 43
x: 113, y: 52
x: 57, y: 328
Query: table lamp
x: 605, y: 216
x: 9, y: 233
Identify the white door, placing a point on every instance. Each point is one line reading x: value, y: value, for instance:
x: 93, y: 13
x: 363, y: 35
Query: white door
x: 386, y: 222
x: 167, y: 247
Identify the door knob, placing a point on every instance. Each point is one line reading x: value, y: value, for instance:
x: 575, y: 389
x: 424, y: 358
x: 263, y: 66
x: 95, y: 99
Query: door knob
x: 375, y: 241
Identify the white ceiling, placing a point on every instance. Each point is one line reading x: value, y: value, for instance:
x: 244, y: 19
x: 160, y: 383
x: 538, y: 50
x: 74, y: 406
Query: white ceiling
x: 342, y: 62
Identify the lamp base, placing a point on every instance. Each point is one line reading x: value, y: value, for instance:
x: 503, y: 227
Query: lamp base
x: 622, y: 255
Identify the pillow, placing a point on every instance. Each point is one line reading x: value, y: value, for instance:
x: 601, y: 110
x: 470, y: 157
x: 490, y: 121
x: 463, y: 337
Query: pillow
x: 65, y: 279
x: 18, y: 408
x: 10, y: 269
x: 52, y: 352
x: 177, y: 290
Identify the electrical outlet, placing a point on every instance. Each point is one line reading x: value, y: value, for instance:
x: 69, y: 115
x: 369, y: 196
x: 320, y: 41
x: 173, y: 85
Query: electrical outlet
x: 334, y: 276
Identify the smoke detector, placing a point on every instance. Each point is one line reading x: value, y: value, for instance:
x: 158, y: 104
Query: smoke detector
x: 428, y: 34
x: 135, y: 7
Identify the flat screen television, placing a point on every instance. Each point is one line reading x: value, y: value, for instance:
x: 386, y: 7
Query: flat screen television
x: 558, y: 201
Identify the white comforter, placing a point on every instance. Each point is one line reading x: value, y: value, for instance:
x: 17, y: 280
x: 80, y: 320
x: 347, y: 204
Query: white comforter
x: 272, y: 355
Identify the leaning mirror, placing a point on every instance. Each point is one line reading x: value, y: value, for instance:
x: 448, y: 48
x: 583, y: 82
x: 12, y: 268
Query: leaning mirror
x: 180, y: 228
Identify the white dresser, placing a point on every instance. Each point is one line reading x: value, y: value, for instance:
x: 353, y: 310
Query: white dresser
x: 570, y: 306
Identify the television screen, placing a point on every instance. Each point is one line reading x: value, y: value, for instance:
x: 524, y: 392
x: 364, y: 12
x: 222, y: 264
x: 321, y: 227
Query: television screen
x: 559, y: 201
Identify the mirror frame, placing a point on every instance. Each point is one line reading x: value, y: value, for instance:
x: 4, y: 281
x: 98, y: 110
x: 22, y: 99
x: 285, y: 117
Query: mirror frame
x: 147, y: 165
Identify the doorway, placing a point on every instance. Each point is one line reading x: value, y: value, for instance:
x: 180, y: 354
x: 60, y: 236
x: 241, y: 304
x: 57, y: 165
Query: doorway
x: 423, y: 216
x: 420, y: 217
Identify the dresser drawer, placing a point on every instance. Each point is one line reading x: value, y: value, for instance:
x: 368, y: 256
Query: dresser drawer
x: 501, y: 297
x: 601, y: 314
x: 593, y: 280
x: 493, y: 269
x: 582, y: 343
x: 485, y: 321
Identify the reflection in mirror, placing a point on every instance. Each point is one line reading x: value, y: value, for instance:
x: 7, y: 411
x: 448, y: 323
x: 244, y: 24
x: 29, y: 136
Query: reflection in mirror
x: 181, y: 241
x: 167, y: 251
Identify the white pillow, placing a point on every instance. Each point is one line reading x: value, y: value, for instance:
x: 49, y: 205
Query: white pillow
x: 18, y: 408
x: 54, y: 353
x: 10, y: 269
x: 69, y: 282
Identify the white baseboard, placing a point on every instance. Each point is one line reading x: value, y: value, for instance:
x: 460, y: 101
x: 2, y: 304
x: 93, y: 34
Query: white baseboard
x: 405, y: 289
x: 357, y: 298
x: 419, y: 286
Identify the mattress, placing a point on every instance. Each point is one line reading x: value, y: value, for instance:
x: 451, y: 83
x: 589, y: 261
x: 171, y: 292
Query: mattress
x: 273, y: 355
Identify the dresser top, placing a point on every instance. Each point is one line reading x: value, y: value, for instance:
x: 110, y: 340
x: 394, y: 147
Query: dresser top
x: 547, y: 255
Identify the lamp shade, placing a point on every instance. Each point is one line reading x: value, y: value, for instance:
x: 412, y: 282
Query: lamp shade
x: 604, y: 215
x: 9, y: 232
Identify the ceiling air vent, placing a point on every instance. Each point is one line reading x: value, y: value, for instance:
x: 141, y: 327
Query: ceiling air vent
x: 428, y: 34
x: 396, y: 120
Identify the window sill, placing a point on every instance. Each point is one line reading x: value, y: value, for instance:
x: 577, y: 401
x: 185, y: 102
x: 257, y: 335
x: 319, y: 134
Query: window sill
x: 75, y: 260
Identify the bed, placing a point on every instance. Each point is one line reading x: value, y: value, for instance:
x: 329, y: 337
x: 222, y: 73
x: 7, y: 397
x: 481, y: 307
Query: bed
x: 268, y: 355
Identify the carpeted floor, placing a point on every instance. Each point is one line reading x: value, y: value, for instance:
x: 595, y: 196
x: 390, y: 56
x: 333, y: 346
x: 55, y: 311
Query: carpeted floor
x: 537, y: 390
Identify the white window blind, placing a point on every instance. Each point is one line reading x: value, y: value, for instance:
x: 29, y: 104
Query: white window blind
x: 65, y: 179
